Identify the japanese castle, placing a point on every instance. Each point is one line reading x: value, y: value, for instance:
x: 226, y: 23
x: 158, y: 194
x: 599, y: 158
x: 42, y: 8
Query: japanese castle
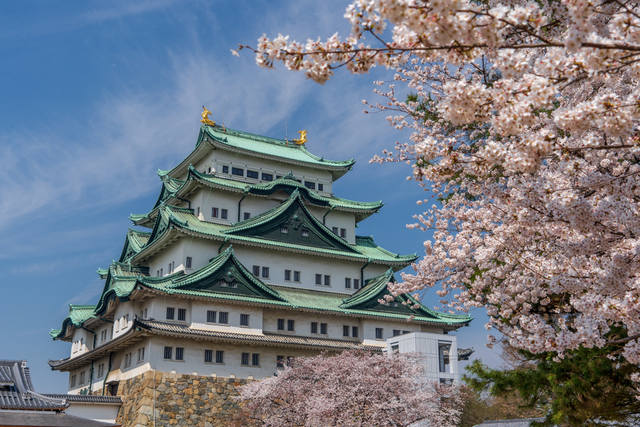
x: 246, y: 259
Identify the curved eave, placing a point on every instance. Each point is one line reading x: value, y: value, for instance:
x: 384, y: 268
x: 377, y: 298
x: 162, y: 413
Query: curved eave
x: 133, y: 335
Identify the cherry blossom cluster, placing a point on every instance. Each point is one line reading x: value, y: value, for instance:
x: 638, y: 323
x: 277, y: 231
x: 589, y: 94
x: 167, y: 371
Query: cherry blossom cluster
x: 524, y: 118
x: 352, y: 389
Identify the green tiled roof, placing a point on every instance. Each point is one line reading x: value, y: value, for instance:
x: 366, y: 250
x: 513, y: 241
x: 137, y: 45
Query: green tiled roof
x: 206, y: 282
x: 365, y: 249
x: 259, y: 146
x: 134, y: 241
x: 77, y: 315
x: 173, y: 189
x: 271, y: 147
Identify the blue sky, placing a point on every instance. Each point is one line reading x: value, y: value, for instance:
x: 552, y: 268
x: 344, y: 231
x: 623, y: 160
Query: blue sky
x: 98, y: 95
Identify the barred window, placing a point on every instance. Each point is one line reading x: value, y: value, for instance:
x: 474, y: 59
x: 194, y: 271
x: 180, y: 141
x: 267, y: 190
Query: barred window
x: 378, y: 333
x: 287, y: 275
x: 327, y: 280
x: 219, y: 356
x: 256, y: 270
x: 182, y: 314
x: 255, y: 359
x: 356, y: 283
x: 179, y: 353
x: 189, y: 261
x: 168, y: 352
x: 245, y: 359
x: 347, y: 283
x: 281, y: 324
x: 279, y: 361
x: 170, y: 313
x: 296, y: 276
x: 244, y: 320
x: 267, y: 176
x: 354, y: 331
x: 223, y: 318
x: 265, y: 272
x: 314, y: 327
x: 318, y: 279
x: 237, y: 171
x: 224, y: 213
x: 290, y: 324
x: 323, y: 328
x: 345, y: 331
x: 208, y: 356
x: 211, y: 316
x: 252, y: 174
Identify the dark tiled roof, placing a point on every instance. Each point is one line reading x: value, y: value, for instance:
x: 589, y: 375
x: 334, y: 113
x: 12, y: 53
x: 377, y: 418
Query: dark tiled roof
x: 58, y: 419
x: 16, y: 389
x: 85, y: 398
x: 509, y: 423
x: 266, y: 337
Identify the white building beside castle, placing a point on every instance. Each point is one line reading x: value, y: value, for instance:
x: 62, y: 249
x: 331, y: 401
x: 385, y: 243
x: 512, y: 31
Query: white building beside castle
x: 246, y: 259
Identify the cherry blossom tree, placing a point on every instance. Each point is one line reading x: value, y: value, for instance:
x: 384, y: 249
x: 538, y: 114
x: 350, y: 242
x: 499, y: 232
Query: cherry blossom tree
x: 524, y: 116
x: 351, y: 389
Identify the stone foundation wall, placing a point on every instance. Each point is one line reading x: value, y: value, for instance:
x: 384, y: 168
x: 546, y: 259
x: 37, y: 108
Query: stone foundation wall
x: 180, y: 400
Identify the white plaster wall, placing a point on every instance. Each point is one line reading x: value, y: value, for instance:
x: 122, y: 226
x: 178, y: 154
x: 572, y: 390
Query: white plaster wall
x: 200, y: 251
x: 199, y: 316
x: 427, y: 345
x: 99, y: 412
x: 308, y: 265
x: 194, y: 364
x: 120, y: 326
x: 344, y: 220
x: 369, y: 329
x: 217, y: 158
x: 302, y: 323
x: 172, y: 253
x: 87, y: 343
x: 157, y: 309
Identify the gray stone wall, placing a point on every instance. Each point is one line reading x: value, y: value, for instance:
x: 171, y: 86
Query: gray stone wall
x: 180, y: 400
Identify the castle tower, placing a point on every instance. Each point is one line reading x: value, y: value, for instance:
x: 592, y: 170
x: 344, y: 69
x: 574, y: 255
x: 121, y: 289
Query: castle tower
x: 246, y: 259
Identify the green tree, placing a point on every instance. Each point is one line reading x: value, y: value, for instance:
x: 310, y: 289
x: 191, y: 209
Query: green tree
x: 588, y: 387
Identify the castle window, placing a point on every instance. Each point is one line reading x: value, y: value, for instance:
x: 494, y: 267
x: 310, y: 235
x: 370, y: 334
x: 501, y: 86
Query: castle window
x: 100, y: 370
x: 223, y: 318
x: 296, y: 276
x: 318, y: 279
x: 179, y: 353
x: 225, y: 169
x: 256, y: 270
x: 198, y: 211
x: 237, y: 171
x: 224, y: 213
x: 311, y: 185
x: 267, y: 177
x: 356, y: 283
x: 406, y: 332
x: 323, y: 328
x: 284, y: 230
x: 252, y: 174
x: 290, y: 325
x: 265, y: 272
x: 314, y: 327
x: 244, y: 360
x: 347, y: 283
x: 320, y: 187
x: 219, y: 356
x: 345, y: 331
x: 255, y: 359
x: 161, y: 273
x: 281, y: 324
x: 73, y: 381
x: 140, y: 354
x: 378, y: 333
x: 244, y: 320
x: 188, y: 262
x: 208, y: 356
x: 354, y: 331
x: 335, y: 230
x: 171, y: 313
x: 168, y: 353
x: 211, y: 316
x: 247, y: 215
x: 287, y: 275
x: 327, y: 280
x: 343, y: 233
x: 396, y: 332
x: 279, y: 361
x: 215, y: 212
x: 305, y: 233
x: 182, y: 314
x: 82, y: 377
